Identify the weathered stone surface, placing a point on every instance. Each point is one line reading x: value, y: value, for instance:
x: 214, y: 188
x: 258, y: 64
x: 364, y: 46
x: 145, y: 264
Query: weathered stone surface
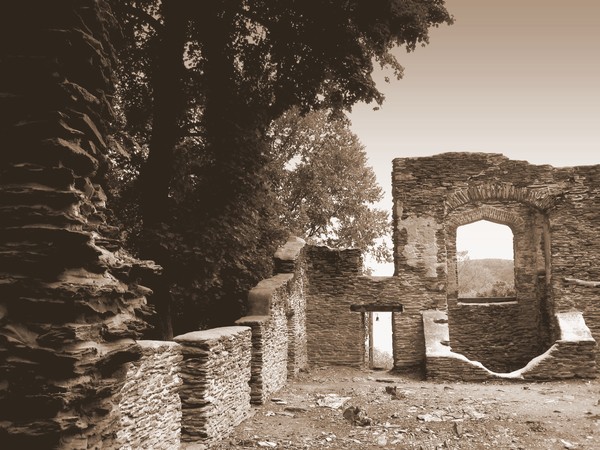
x: 69, y: 309
x: 277, y: 316
x: 553, y: 213
x: 215, y: 394
x: 335, y: 283
x: 150, y: 407
x: 572, y: 356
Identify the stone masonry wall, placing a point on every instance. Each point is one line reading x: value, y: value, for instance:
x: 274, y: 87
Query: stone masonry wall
x: 336, y: 335
x: 554, y: 214
x: 290, y: 258
x: 276, y: 308
x: 571, y: 356
x: 150, y: 407
x: 490, y: 333
x: 506, y: 341
x: 215, y: 394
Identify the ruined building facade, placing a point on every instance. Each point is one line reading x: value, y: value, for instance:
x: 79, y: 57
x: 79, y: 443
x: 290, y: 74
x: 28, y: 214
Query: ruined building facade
x: 554, y: 319
x: 73, y: 374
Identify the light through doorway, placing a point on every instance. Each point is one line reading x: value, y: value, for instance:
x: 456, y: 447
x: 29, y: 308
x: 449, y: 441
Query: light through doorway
x: 485, y: 261
x: 380, y: 345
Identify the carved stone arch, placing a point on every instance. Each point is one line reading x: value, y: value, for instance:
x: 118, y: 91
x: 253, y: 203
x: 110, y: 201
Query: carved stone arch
x: 486, y: 212
x: 541, y: 199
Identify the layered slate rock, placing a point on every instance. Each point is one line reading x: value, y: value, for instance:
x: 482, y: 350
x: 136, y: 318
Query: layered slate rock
x: 215, y: 394
x: 69, y: 303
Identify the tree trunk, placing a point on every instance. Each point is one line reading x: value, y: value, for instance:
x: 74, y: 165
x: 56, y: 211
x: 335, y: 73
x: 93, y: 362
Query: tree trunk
x: 157, y: 172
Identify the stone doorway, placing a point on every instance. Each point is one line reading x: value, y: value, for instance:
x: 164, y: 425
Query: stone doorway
x: 378, y: 322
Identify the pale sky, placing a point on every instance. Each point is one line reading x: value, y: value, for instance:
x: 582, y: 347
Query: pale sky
x: 518, y: 77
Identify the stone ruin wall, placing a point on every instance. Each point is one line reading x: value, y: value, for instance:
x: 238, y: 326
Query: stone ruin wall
x: 516, y: 331
x: 277, y: 317
x: 336, y: 335
x: 554, y: 214
x: 150, y: 406
x: 198, y: 388
x: 215, y: 392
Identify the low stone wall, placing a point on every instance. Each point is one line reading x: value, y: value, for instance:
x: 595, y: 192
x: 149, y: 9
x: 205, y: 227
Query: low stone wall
x: 441, y: 363
x: 494, y: 334
x: 269, y: 336
x: 150, y: 407
x: 571, y: 356
x: 215, y: 394
x: 198, y: 388
x: 290, y: 258
x: 277, y: 311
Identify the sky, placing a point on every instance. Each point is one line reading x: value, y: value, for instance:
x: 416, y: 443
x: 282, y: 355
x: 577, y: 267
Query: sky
x: 517, y: 77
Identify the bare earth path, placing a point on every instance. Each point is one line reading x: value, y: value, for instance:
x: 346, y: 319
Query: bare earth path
x: 407, y: 413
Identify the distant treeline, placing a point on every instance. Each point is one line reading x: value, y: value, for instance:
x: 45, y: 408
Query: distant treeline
x: 486, y: 278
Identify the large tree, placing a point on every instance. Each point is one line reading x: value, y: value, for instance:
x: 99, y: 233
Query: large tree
x: 326, y: 187
x: 206, y: 79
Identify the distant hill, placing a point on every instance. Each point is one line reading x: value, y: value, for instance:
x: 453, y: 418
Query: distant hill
x: 486, y: 278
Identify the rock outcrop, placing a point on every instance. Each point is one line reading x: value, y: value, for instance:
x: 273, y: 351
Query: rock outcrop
x: 70, y: 306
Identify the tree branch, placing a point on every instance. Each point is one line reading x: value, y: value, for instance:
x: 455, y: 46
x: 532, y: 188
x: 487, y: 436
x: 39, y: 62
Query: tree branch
x: 144, y: 17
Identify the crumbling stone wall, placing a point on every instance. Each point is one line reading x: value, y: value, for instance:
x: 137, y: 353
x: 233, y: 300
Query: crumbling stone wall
x: 277, y: 317
x: 553, y: 213
x: 150, y: 407
x: 69, y: 306
x: 573, y: 355
x: 336, y: 334
x: 290, y: 258
x: 215, y: 393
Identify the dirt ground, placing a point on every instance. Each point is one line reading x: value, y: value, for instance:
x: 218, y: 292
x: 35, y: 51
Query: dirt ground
x: 400, y: 411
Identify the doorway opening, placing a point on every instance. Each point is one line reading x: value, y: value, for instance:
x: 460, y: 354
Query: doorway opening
x: 378, y: 327
x: 485, y: 262
x: 381, y: 345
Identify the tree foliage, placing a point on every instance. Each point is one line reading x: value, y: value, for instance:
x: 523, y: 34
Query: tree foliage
x: 201, y: 83
x: 326, y: 187
x: 485, y: 277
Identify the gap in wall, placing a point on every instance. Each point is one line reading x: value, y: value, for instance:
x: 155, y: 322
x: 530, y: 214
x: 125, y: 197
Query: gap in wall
x: 485, y: 260
x: 381, y: 323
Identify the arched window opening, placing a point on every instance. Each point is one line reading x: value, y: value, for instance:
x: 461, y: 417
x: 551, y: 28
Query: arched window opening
x: 485, y: 261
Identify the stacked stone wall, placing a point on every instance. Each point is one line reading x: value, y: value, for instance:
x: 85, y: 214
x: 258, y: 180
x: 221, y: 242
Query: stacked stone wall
x: 215, y: 394
x: 575, y: 246
x: 277, y: 317
x: 554, y: 214
x: 290, y: 258
x: 150, y: 407
x: 492, y: 333
x: 571, y: 356
x: 336, y: 334
x: 269, y: 338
